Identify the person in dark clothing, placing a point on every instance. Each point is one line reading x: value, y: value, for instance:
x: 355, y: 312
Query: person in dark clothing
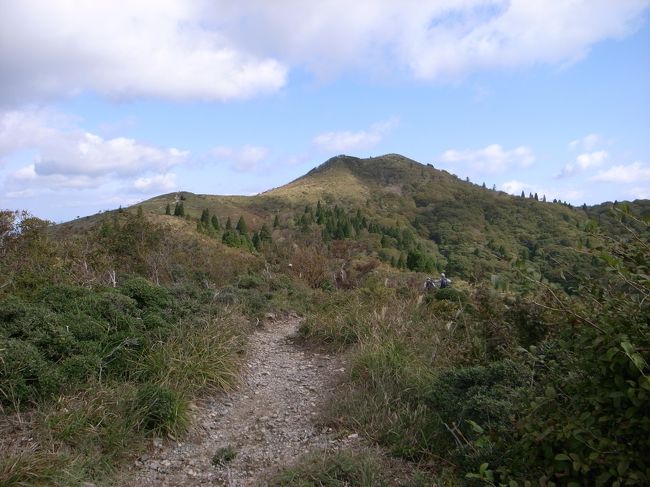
x: 444, y: 282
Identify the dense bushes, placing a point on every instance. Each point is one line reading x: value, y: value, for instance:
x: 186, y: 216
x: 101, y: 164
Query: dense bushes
x: 542, y: 388
x: 65, y: 336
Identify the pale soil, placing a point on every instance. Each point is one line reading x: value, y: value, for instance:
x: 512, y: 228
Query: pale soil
x: 269, y: 420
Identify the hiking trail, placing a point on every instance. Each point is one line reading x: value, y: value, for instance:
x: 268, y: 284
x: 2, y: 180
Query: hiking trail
x: 269, y: 419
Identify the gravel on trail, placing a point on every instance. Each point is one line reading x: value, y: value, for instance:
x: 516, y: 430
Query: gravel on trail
x: 268, y: 420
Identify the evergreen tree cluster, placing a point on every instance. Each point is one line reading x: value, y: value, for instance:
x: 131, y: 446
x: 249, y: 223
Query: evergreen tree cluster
x: 337, y: 224
x: 238, y: 236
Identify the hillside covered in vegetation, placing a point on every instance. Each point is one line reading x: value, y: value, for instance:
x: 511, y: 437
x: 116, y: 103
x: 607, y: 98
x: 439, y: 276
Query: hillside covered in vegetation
x: 532, y: 369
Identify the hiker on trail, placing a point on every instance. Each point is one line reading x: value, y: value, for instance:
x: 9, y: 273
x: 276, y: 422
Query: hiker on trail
x: 444, y: 282
x: 429, y: 284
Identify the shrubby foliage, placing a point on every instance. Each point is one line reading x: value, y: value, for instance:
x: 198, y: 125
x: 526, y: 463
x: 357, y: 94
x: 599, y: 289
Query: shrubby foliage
x: 533, y: 388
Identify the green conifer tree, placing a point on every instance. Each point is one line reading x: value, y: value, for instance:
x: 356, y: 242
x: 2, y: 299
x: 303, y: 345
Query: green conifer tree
x: 242, y: 228
x: 276, y: 222
x: 228, y: 224
x: 179, y: 210
x: 265, y: 234
x: 215, y: 222
x: 168, y: 210
x: 205, y: 217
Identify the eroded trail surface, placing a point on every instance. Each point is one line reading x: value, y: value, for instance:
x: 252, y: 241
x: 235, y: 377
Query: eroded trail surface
x: 268, y: 420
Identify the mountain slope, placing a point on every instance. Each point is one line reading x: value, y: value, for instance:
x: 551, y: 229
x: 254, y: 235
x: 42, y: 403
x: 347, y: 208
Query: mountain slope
x: 415, y: 211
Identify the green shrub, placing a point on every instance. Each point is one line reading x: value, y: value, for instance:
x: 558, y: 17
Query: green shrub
x: 450, y: 294
x: 249, y: 281
x: 61, y: 298
x: 24, y: 375
x: 472, y: 406
x: 118, y: 310
x: 11, y: 309
x: 161, y: 410
x: 146, y: 294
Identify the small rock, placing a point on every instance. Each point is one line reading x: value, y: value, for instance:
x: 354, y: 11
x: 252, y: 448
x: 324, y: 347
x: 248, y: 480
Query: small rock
x: 353, y: 436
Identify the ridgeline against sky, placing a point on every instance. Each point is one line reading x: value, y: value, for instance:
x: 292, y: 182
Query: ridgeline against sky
x: 105, y: 104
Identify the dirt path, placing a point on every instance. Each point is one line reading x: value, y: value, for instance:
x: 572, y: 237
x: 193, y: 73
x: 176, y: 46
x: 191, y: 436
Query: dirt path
x: 269, y: 420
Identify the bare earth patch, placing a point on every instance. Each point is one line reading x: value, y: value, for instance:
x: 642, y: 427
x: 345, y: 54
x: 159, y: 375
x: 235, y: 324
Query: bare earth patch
x: 268, y: 421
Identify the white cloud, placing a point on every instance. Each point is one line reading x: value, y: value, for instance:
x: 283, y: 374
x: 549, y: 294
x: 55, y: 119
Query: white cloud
x: 347, y: 141
x: 65, y: 150
x: 587, y: 143
x: 68, y: 157
x: 433, y: 39
x: 245, y: 159
x: 632, y: 173
x: 224, y: 50
x: 27, y: 177
x: 584, y: 162
x: 159, y: 48
x: 492, y: 158
x: 156, y: 184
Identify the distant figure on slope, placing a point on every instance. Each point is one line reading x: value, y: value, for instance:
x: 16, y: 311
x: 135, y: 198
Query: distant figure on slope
x: 444, y: 282
x: 429, y: 284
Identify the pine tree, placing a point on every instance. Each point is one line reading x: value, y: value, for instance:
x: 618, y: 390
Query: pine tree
x: 179, y: 210
x: 265, y: 234
x: 256, y: 240
x: 276, y: 222
x: 168, y: 210
x: 215, y: 222
x: 205, y: 217
x: 242, y: 228
x: 523, y: 195
x: 228, y: 224
x: 536, y: 197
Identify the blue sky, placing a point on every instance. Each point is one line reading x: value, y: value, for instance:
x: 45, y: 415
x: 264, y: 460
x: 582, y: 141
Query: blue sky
x: 104, y: 104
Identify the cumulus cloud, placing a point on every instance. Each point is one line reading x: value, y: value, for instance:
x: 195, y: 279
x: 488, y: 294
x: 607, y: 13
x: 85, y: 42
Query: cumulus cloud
x: 631, y: 173
x: 244, y: 159
x: 584, y: 162
x: 224, y: 50
x: 158, y: 48
x: 347, y: 141
x: 492, y: 158
x: 155, y: 184
x: 68, y: 157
